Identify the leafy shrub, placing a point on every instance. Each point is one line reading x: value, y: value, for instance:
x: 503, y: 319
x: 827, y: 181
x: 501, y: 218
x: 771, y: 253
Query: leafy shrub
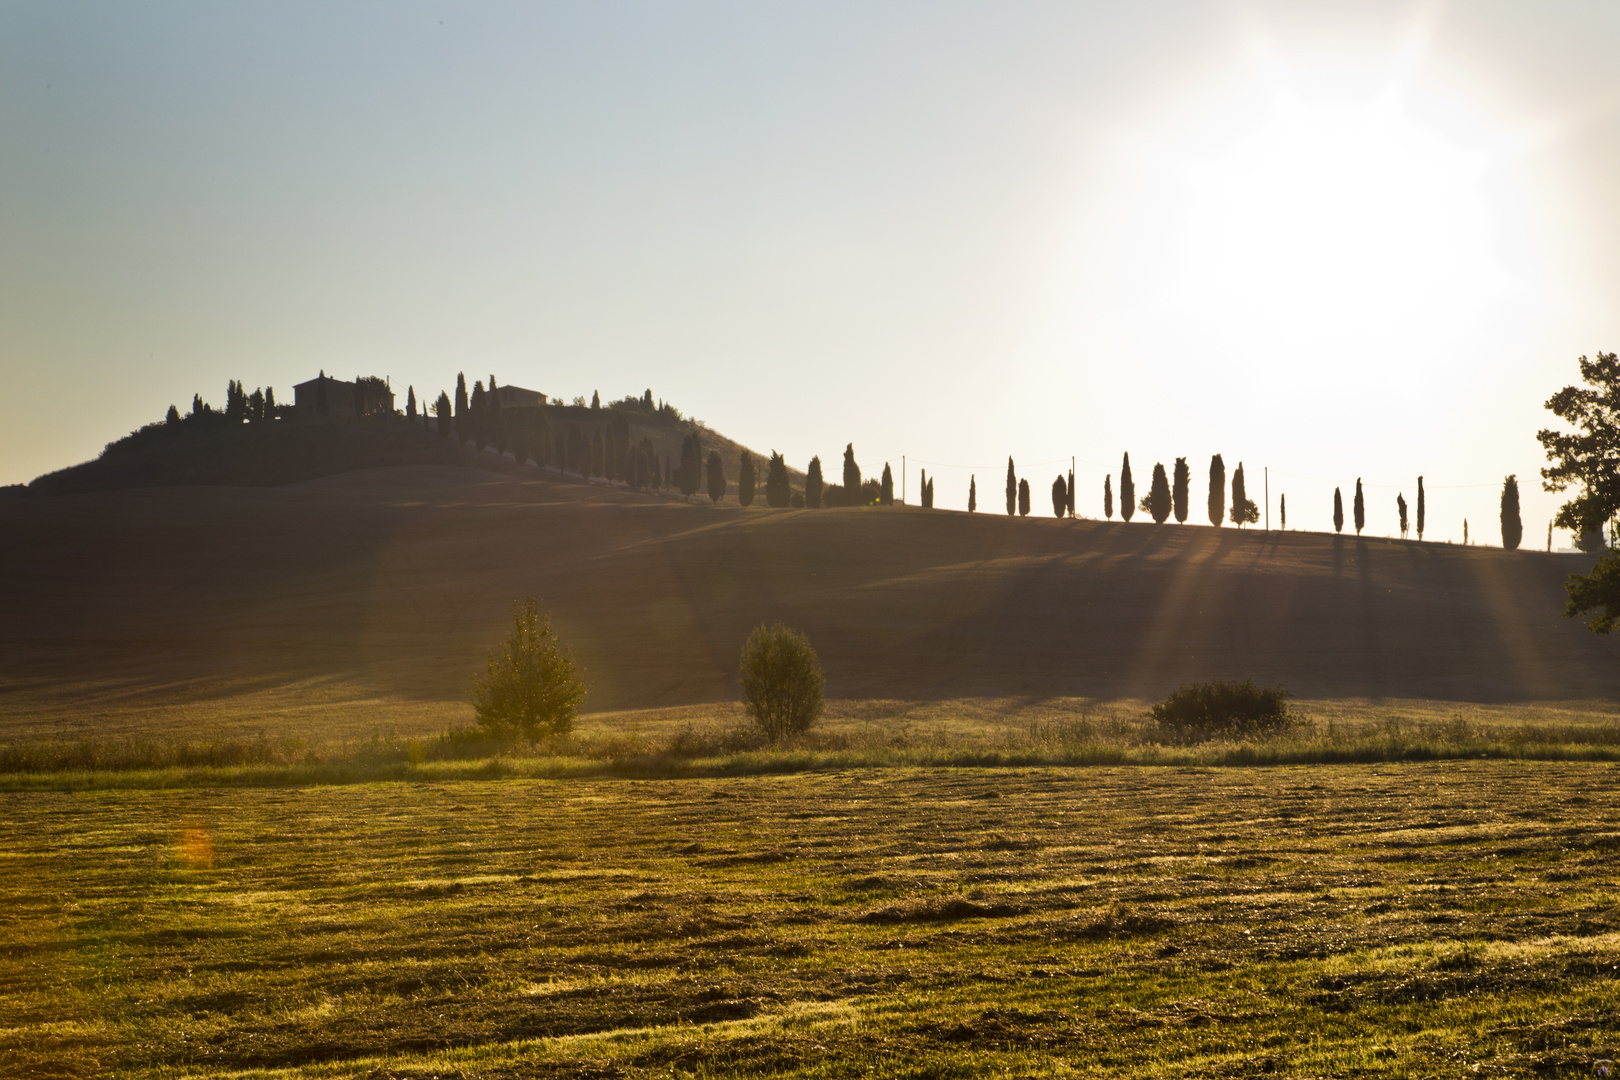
x: 781, y: 681
x: 1225, y: 709
x: 531, y: 686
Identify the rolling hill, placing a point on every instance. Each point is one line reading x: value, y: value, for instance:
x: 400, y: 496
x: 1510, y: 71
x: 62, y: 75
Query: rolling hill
x: 371, y: 595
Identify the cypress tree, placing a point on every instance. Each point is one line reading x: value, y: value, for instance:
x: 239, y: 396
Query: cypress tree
x: 1060, y: 497
x: 1023, y: 498
x: 410, y: 401
x: 1282, y: 510
x: 1181, y: 490
x: 1240, y: 496
x: 1465, y: 532
x: 1360, y: 509
x: 1338, y: 511
x: 647, y: 401
x: 475, y: 409
x: 1012, y: 489
x: 1127, y: 490
x: 852, y: 477
x: 596, y: 400
x: 745, y: 478
x: 1217, y: 491
x: 172, y: 420
x: 1068, y: 495
x: 255, y: 411
x: 929, y: 491
x: 269, y: 403
x: 1160, y: 501
x: 441, y: 409
x: 463, y: 422
x: 812, y: 484
x: 778, y: 491
x: 1400, y: 510
x: 1512, y: 524
x: 1420, y: 508
x: 717, y: 477
x: 922, y: 490
x: 1108, y: 497
x: 887, y: 495
x: 973, y: 493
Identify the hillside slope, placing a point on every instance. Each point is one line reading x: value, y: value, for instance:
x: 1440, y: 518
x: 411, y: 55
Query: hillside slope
x: 386, y: 587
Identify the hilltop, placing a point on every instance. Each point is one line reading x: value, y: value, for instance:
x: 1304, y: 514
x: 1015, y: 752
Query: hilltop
x: 374, y: 593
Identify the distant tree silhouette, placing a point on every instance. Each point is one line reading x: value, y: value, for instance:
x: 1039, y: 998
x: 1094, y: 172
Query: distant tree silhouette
x: 199, y: 410
x: 689, y: 476
x: 777, y: 490
x: 1512, y: 524
x: 410, y: 401
x: 1217, y: 491
x: 745, y: 478
x: 886, y: 497
x: 492, y: 417
x: 1127, y: 490
x: 1420, y: 509
x: 441, y: 409
x: 1108, y: 497
x: 1244, y: 512
x: 852, y: 477
x: 1023, y: 498
x: 1400, y: 511
x: 462, y: 421
x: 1068, y: 495
x: 1360, y: 509
x: 269, y: 403
x: 476, y: 409
x: 928, y: 492
x: 1465, y: 532
x: 1012, y: 489
x: 922, y: 488
x: 973, y: 493
x: 1180, y: 491
x: 1338, y: 511
x: 812, y: 484
x: 1160, y: 501
x: 717, y: 477
x: 173, y: 419
x: 256, y: 407
x: 596, y: 400
x: 1282, y: 510
x: 1060, y: 497
x: 235, y: 402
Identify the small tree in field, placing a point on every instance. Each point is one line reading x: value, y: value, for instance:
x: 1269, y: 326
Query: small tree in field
x: 781, y: 681
x: 1060, y: 496
x: 1160, y: 499
x: 531, y: 686
x: 1023, y: 497
x: 1179, y: 490
x: 886, y: 495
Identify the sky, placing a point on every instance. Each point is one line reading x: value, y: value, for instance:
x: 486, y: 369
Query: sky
x: 1327, y: 240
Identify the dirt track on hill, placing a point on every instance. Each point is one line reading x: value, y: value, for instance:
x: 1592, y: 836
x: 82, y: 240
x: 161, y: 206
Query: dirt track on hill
x: 396, y: 581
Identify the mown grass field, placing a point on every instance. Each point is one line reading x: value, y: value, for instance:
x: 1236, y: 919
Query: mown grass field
x: 1437, y: 919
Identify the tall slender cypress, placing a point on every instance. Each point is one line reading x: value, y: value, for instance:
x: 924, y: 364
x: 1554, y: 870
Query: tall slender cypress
x: 1400, y: 511
x: 886, y: 492
x: 1282, y: 511
x: 1217, y: 491
x: 1012, y: 489
x: 973, y: 493
x: 441, y: 409
x: 716, y: 477
x: 812, y: 484
x: 1127, y: 489
x: 462, y: 421
x: 1023, y: 497
x: 1068, y: 496
x: 1160, y: 500
x: 1060, y: 497
x: 852, y: 477
x: 922, y: 489
x: 778, y: 491
x: 1420, y: 508
x: 1108, y: 497
x: 475, y: 410
x: 1512, y: 524
x: 1180, y: 490
x: 1338, y: 511
x: 1360, y: 509
x: 410, y: 401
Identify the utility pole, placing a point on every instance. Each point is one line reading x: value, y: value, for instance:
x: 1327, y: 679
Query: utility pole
x: 1268, y: 496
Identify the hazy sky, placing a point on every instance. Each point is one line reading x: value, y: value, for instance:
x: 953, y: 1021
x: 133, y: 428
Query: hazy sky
x: 1337, y: 240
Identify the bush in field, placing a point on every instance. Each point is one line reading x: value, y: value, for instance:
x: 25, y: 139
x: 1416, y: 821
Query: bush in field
x: 531, y: 686
x: 1230, y: 709
x: 781, y: 681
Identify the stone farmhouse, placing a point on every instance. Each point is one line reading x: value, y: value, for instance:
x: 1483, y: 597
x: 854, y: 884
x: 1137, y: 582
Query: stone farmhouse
x: 516, y: 395
x: 326, y: 396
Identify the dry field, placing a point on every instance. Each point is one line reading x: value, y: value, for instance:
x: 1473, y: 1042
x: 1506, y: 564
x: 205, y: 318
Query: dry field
x: 1453, y: 919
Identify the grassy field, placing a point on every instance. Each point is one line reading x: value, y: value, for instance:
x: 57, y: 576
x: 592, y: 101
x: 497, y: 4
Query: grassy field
x: 1406, y: 920
x: 365, y: 600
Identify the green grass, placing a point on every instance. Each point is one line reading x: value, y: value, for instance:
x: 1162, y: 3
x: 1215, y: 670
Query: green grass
x: 1366, y: 920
